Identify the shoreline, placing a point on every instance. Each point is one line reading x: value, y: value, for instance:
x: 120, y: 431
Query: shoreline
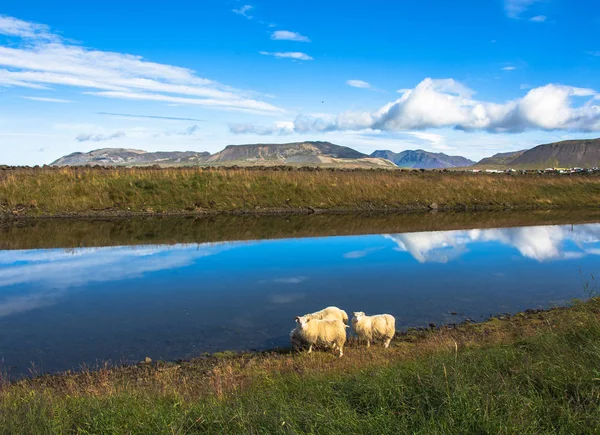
x: 532, y: 372
x: 432, y: 208
x: 412, y: 335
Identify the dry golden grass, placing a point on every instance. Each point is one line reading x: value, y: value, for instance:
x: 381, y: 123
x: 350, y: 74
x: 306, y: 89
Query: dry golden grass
x: 52, y: 191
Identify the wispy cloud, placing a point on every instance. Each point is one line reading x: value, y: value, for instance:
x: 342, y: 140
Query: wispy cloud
x: 514, y: 8
x: 281, y: 128
x: 286, y: 35
x: 593, y: 53
x: 47, y: 100
x: 11, y: 26
x: 244, y: 11
x: 132, y: 115
x: 90, y: 137
x: 509, y: 68
x: 291, y: 280
x: 40, y: 59
x: 538, y: 18
x: 358, y: 84
x: 296, y: 55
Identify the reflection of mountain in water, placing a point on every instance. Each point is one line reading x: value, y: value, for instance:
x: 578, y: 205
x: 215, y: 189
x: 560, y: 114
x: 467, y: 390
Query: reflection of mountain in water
x: 539, y: 243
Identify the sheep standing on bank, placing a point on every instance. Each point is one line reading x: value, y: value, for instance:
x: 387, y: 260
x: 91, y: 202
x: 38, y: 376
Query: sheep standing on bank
x: 329, y: 313
x: 378, y: 327
x: 314, y: 332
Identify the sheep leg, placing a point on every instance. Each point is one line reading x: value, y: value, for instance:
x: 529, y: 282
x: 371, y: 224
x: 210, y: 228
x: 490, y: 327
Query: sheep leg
x: 310, y: 348
x: 387, y: 343
x: 341, y: 351
x: 368, y: 343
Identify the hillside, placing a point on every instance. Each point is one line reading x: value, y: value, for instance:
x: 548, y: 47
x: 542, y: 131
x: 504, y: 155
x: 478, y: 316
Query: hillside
x: 500, y: 159
x: 566, y: 154
x: 131, y: 157
x: 423, y: 159
x: 298, y: 153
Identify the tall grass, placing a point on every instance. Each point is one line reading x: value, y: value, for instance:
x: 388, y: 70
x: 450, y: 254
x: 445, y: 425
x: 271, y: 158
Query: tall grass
x: 192, y: 190
x: 534, y: 373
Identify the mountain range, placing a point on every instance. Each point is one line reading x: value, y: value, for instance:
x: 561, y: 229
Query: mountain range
x: 423, y: 159
x: 566, y: 154
x: 297, y: 153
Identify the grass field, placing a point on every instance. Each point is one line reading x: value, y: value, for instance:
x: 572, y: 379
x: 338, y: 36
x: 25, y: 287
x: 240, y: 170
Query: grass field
x: 531, y: 373
x: 78, y: 191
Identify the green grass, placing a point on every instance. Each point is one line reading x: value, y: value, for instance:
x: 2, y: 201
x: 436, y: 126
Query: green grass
x: 56, y: 191
x: 529, y: 374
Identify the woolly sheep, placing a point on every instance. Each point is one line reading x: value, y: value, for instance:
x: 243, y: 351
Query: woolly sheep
x: 369, y: 328
x: 314, y: 332
x: 329, y: 313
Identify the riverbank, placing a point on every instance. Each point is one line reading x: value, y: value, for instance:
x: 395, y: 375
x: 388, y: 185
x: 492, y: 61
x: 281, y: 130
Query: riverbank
x: 102, y: 192
x: 535, y: 372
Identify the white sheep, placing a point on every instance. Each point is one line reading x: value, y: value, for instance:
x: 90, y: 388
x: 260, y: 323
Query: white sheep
x: 329, y: 313
x: 369, y: 328
x: 314, y: 332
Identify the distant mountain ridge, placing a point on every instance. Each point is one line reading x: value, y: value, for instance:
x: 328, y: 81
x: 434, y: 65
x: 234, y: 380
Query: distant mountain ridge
x: 500, y: 159
x: 583, y: 153
x: 131, y: 157
x: 423, y: 159
x: 306, y: 153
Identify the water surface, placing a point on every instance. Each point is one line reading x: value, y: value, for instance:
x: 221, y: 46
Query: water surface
x: 61, y: 307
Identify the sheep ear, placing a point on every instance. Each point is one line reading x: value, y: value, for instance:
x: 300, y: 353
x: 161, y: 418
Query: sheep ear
x: 297, y: 318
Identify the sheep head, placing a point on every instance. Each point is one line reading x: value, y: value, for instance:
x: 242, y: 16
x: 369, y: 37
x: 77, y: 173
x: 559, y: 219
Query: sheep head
x: 302, y: 321
x: 358, y: 314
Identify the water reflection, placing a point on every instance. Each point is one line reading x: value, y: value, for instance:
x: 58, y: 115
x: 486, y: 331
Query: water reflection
x: 540, y: 243
x: 63, y: 307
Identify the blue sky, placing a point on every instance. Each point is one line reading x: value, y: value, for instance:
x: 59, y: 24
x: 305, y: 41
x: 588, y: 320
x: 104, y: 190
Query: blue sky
x: 462, y: 77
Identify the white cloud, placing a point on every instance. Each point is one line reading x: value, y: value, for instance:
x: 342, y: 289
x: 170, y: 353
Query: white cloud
x: 280, y: 128
x: 358, y: 84
x: 41, y: 60
x: 540, y: 243
x: 439, y: 103
x: 509, y: 68
x: 14, y: 27
x: 55, y: 271
x: 89, y: 137
x: 291, y: 280
x: 514, y: 8
x: 244, y: 11
x: 436, y: 141
x: 593, y: 53
x: 286, y: 35
x: 246, y: 106
x: 288, y: 55
x: 538, y: 18
x: 47, y: 100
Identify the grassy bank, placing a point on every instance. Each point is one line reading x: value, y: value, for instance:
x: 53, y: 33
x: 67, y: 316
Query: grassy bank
x: 81, y: 191
x: 535, y: 372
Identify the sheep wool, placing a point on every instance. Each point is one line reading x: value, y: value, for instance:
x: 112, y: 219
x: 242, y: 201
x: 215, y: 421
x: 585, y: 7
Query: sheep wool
x: 377, y: 327
x: 325, y: 333
x: 329, y: 313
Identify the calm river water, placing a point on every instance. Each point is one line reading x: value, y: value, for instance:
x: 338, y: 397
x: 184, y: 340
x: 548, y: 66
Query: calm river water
x: 64, y: 306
